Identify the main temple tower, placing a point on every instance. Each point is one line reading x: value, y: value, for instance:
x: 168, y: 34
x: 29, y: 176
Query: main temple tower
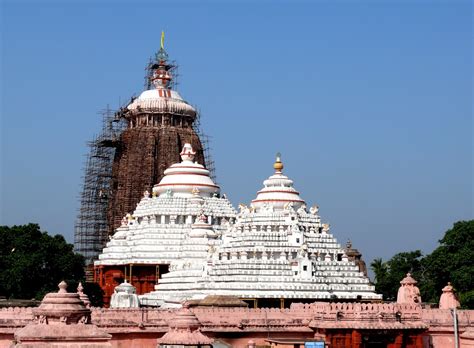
x: 130, y: 155
x: 160, y: 122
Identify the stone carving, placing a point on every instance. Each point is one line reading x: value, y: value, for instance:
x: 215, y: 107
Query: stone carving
x: 314, y: 210
x: 83, y: 320
x: 266, y: 208
x: 326, y: 228
x: 289, y: 206
x: 243, y: 209
x: 41, y: 319
x: 124, y: 221
x: 302, y: 210
x: 130, y: 218
x: 303, y: 251
x: 202, y: 218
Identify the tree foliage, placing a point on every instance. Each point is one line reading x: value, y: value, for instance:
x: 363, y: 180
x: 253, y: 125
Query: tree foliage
x: 388, y: 274
x: 452, y: 261
x: 32, y: 263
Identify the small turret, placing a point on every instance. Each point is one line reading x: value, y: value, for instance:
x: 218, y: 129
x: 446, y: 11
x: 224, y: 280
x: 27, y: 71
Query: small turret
x: 408, y: 291
x: 448, y: 298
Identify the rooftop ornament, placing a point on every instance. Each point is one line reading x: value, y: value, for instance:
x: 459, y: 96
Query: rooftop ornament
x: 62, y: 316
x: 278, y: 165
x: 124, y: 296
x: 162, y: 56
x: 84, y: 298
x: 184, y: 331
x: 408, y: 291
x: 448, y: 299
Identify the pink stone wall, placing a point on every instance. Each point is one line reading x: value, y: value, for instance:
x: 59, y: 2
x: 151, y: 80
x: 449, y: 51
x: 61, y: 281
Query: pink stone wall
x: 12, y: 319
x: 235, y: 326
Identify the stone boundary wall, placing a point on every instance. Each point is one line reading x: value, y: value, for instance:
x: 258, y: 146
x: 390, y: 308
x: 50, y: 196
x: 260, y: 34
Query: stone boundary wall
x: 135, y: 325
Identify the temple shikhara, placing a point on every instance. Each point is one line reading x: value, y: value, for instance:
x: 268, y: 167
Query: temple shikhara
x: 181, y: 267
x: 137, y: 144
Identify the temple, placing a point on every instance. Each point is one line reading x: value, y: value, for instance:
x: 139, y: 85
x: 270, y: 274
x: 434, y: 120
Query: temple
x: 160, y: 122
x: 137, y: 144
x: 277, y: 252
x: 159, y: 230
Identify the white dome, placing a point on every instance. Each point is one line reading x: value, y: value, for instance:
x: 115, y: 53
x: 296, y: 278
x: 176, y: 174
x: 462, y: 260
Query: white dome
x: 187, y: 178
x: 162, y: 100
x: 278, y: 192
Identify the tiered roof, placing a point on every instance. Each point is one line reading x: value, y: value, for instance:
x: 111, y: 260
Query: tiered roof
x: 161, y: 224
x: 275, y: 249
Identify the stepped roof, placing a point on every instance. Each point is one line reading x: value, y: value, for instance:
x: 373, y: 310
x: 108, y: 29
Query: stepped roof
x: 158, y: 228
x: 273, y: 250
x: 186, y: 177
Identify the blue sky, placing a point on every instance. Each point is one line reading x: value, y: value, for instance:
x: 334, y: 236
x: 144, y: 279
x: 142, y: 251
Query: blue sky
x: 369, y: 103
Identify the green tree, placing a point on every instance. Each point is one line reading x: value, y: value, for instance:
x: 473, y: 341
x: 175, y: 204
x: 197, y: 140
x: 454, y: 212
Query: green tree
x: 452, y: 261
x: 32, y: 262
x: 388, y: 274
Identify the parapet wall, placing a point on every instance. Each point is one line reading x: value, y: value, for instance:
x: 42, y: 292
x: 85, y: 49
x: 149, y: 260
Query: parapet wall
x: 147, y: 324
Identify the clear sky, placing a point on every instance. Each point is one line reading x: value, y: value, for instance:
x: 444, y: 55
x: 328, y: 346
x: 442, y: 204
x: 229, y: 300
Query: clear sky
x: 370, y: 104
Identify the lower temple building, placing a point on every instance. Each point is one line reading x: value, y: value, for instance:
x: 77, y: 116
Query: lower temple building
x: 277, y: 252
x: 157, y: 233
x: 187, y: 242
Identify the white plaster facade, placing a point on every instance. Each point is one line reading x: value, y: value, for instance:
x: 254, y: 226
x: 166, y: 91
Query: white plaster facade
x: 275, y: 249
x: 158, y: 230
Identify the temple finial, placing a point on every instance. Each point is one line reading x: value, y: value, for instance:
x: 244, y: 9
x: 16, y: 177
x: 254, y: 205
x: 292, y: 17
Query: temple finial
x: 278, y: 165
x: 162, y: 56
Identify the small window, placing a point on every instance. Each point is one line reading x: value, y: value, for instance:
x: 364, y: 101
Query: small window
x: 305, y: 268
x: 297, y: 240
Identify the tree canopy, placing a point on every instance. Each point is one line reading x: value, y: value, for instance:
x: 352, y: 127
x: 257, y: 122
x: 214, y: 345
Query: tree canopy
x: 32, y: 263
x: 452, y: 261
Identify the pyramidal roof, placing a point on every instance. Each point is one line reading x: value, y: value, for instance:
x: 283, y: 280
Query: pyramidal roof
x: 276, y: 248
x: 161, y: 223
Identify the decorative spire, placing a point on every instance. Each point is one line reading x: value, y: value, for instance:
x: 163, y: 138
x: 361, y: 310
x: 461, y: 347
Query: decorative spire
x: 161, y: 76
x: 349, y: 244
x: 448, y: 298
x: 188, y: 153
x: 278, y: 165
x: 62, y: 287
x: 162, y: 56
